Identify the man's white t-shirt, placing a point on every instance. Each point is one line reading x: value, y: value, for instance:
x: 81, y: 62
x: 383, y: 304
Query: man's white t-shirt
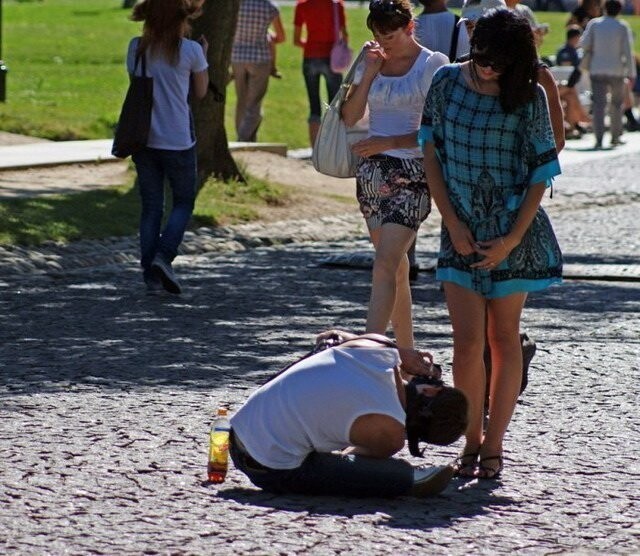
x: 312, y: 406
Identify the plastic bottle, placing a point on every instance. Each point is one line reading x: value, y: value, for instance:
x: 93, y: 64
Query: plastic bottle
x: 219, y: 447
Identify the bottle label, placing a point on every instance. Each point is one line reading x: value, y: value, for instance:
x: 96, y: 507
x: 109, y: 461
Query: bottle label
x: 219, y: 447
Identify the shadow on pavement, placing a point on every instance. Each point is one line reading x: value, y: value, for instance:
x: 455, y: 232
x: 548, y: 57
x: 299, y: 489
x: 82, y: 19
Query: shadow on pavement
x: 428, y: 514
x: 242, y: 318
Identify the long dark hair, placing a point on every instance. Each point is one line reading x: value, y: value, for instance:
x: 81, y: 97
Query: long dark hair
x: 165, y: 23
x: 505, y: 37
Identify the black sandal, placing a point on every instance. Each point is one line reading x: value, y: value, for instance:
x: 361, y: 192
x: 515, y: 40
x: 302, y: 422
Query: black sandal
x: 465, y: 465
x: 488, y: 472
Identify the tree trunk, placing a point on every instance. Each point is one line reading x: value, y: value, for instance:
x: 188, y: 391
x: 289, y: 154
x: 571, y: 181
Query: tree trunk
x: 217, y: 24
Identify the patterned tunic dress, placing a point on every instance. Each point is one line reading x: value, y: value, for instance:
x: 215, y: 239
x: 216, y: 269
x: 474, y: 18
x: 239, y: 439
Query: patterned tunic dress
x: 488, y: 159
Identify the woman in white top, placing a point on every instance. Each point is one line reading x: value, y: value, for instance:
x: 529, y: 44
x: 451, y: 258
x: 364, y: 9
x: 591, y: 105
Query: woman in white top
x: 178, y: 66
x: 392, y: 191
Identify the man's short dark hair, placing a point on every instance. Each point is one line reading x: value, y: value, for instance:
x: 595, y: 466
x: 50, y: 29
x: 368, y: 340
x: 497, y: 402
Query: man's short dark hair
x: 573, y: 31
x: 439, y: 419
x: 613, y: 7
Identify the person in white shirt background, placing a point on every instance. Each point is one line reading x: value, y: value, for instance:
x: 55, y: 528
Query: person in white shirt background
x: 607, y: 45
x: 436, y: 30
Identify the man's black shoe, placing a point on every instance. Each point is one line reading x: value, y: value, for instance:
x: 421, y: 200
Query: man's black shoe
x: 413, y: 273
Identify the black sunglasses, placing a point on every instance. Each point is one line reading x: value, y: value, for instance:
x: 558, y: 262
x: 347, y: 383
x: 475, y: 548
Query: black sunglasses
x: 485, y: 61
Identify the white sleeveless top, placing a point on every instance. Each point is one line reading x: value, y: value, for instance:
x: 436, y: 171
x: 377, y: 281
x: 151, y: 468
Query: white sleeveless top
x: 312, y: 406
x: 396, y: 102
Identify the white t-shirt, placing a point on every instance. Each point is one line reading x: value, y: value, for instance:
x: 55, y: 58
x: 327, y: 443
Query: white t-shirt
x: 170, y: 117
x: 434, y: 31
x: 396, y: 102
x: 312, y: 405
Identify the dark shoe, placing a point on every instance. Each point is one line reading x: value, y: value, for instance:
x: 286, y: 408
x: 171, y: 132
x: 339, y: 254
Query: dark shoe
x: 275, y: 73
x: 617, y: 142
x: 164, y: 272
x: 490, y: 471
x: 598, y: 146
x: 429, y: 481
x: 154, y: 284
x: 413, y: 273
x: 465, y: 465
x: 528, y: 351
x: 581, y: 129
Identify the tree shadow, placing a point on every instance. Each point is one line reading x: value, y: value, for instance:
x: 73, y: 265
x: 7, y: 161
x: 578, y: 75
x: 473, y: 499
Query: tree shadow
x: 242, y: 317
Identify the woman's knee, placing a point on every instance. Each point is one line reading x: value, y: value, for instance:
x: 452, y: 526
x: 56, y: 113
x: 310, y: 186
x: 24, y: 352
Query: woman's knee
x: 468, y: 346
x: 388, y: 268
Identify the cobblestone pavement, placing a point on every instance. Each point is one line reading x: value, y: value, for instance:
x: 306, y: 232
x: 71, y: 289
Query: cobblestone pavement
x: 106, y: 395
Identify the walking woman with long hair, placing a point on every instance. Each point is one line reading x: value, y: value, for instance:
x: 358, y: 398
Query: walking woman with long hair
x: 391, y: 187
x: 178, y: 66
x: 489, y: 156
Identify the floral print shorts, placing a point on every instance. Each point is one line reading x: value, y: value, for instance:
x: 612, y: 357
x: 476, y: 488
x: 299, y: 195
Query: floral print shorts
x: 392, y: 191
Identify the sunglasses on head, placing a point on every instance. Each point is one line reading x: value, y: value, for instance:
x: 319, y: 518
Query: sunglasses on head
x: 387, y: 7
x: 485, y: 61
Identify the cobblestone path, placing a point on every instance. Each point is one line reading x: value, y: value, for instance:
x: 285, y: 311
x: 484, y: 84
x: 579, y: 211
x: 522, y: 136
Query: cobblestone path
x: 106, y: 396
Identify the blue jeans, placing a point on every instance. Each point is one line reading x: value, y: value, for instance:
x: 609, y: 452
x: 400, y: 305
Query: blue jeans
x: 312, y: 69
x: 179, y: 169
x: 329, y: 475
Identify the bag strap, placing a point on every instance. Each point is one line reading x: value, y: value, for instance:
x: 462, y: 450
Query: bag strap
x: 454, y: 39
x: 336, y: 19
x: 375, y: 338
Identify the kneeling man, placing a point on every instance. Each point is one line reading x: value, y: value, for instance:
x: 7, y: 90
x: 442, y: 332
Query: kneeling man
x: 329, y: 424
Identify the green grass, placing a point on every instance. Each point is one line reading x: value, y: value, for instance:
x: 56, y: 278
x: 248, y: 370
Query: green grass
x: 115, y: 211
x: 67, y: 79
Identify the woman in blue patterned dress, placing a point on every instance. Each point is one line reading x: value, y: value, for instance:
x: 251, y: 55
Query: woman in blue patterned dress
x: 391, y: 187
x: 489, y: 156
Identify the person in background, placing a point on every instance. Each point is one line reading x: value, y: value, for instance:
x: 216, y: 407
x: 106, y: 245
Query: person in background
x: 489, y: 155
x: 632, y: 88
x: 178, y: 66
x: 570, y: 54
x: 584, y: 12
x: 437, y: 29
x: 607, y: 44
x: 392, y: 191
x: 315, y: 20
x: 539, y: 29
x: 252, y: 62
x: 471, y: 11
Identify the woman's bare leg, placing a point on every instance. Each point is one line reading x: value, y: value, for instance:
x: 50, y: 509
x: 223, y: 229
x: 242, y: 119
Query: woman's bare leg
x: 503, y: 333
x: 467, y: 313
x: 390, y: 290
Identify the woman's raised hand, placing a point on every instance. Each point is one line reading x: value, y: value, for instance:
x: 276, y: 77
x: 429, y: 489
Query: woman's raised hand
x: 374, y: 56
